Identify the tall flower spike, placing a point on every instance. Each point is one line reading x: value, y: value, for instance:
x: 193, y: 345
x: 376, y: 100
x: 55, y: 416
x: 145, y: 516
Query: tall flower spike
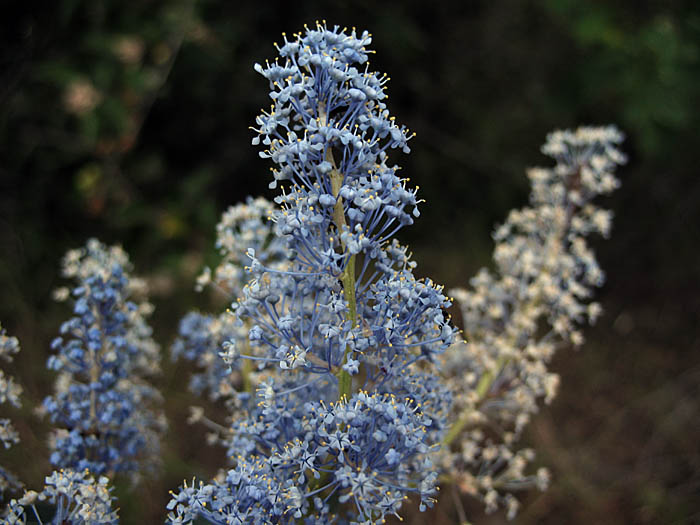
x: 9, y: 393
x: 544, y: 276
x: 349, y: 411
x: 103, y: 408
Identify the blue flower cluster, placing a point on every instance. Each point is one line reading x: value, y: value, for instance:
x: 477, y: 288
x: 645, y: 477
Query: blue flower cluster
x: 103, y: 407
x: 341, y: 334
x: 371, y: 452
x: 76, y: 497
x: 200, y: 340
x: 242, y: 227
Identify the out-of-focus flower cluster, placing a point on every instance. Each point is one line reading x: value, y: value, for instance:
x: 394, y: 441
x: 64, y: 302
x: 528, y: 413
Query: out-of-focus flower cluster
x: 103, y: 409
x: 243, y: 227
x: 516, y: 317
x: 10, y: 391
x: 202, y: 337
x: 76, y: 498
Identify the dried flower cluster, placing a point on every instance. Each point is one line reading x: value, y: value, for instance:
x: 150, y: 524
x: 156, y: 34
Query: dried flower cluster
x: 517, y: 316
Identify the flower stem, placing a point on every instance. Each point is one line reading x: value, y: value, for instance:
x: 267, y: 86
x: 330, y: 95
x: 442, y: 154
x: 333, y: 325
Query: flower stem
x: 348, y: 276
x: 482, y: 388
x: 344, y: 378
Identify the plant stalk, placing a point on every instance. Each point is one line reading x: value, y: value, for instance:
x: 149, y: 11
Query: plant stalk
x: 348, y: 276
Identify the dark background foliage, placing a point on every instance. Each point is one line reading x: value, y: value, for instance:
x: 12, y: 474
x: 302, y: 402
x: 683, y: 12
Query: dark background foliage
x: 129, y: 121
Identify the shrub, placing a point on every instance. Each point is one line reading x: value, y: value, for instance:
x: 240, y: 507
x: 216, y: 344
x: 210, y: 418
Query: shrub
x: 349, y: 388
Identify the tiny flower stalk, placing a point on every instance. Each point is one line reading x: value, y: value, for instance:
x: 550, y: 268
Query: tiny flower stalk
x: 344, y: 378
x: 246, y: 371
x: 482, y: 388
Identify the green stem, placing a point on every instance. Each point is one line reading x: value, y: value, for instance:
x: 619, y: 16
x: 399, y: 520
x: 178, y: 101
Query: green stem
x: 482, y: 388
x: 344, y: 377
x: 348, y: 277
x: 246, y: 369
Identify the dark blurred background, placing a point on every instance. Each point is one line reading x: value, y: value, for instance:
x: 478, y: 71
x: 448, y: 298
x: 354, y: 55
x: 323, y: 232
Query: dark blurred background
x: 128, y: 121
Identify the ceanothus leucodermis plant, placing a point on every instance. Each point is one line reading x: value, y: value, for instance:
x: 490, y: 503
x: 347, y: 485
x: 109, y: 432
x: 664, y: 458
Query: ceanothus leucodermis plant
x: 350, y: 412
